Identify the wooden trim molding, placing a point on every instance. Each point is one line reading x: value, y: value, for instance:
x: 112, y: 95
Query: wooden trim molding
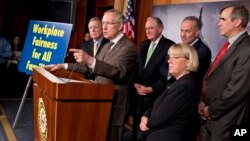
x: 144, y: 10
x: 119, y: 4
x: 164, y: 2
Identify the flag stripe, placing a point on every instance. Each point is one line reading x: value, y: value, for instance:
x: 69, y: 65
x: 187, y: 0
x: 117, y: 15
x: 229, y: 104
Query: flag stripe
x: 130, y: 21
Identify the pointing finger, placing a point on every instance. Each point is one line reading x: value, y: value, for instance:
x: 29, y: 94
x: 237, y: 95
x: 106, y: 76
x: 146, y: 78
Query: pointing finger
x: 74, y: 50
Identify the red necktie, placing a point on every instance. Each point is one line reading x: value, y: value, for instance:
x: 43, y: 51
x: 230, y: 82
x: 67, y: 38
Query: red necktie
x: 221, y: 53
x: 218, y: 57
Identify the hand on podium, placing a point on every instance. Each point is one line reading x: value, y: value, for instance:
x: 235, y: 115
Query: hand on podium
x: 54, y: 67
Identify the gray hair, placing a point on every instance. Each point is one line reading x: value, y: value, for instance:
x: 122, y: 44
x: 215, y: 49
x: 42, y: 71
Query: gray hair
x: 198, y: 23
x: 158, y: 21
x: 119, y: 16
x: 95, y: 19
x: 239, y: 11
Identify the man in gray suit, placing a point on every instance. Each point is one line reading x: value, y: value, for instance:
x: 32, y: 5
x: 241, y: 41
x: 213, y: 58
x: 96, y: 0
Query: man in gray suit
x: 113, y: 64
x: 226, y: 88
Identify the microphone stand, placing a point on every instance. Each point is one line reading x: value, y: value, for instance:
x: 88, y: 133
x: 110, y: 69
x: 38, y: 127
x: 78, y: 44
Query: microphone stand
x: 71, y: 72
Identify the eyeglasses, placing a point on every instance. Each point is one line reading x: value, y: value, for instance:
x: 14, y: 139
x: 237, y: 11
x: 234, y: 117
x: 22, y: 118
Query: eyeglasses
x: 109, y: 23
x: 150, y: 28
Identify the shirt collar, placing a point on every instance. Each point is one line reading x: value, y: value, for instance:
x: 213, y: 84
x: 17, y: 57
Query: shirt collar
x: 235, y: 37
x: 98, y: 41
x: 117, y: 38
x: 157, y: 41
x: 194, y: 41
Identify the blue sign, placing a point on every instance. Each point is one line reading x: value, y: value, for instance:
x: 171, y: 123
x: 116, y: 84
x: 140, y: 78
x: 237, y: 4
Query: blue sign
x: 46, y: 43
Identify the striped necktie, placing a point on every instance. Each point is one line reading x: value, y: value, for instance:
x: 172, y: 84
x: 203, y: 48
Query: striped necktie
x: 95, y: 49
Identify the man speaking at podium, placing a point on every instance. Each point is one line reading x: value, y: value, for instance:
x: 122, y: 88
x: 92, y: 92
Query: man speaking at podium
x: 113, y: 64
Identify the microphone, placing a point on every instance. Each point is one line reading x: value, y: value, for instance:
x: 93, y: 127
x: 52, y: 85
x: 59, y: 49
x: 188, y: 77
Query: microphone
x: 67, y: 55
x: 71, y: 72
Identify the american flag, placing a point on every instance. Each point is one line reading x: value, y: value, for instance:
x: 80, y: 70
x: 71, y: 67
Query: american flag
x: 130, y: 21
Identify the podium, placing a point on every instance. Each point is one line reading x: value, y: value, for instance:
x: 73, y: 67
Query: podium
x: 75, y: 110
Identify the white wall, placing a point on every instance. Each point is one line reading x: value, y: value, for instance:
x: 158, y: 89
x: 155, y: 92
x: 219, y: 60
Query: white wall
x: 172, y: 16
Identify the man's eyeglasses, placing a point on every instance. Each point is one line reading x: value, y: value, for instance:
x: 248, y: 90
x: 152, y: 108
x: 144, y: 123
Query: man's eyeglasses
x: 109, y: 23
x: 150, y: 28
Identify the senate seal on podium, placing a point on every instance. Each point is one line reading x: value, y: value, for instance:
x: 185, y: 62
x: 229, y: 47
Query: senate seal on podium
x: 42, y: 119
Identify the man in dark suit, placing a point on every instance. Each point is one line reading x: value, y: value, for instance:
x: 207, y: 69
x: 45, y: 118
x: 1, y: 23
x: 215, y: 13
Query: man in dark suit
x: 95, y: 31
x: 148, y: 79
x: 226, y: 99
x: 190, y: 34
x: 113, y: 64
x: 93, y: 46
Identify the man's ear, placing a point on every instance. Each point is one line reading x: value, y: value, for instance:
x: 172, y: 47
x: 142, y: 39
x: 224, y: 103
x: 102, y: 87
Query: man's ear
x: 120, y: 26
x: 197, y: 33
x: 237, y: 22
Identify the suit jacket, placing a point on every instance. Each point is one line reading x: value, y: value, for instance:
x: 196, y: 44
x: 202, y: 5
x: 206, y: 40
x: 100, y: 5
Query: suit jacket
x: 173, y: 112
x: 155, y: 73
x: 204, y: 55
x: 89, y: 45
x: 88, y: 48
x: 227, y: 90
x: 116, y: 67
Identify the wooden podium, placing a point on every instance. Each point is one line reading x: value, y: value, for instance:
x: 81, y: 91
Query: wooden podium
x: 75, y: 110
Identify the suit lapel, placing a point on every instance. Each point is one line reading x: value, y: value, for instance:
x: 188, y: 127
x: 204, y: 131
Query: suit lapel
x: 155, y: 53
x: 145, y: 51
x: 91, y: 47
x: 105, y: 49
x: 197, y: 44
x: 103, y: 42
x: 115, y: 49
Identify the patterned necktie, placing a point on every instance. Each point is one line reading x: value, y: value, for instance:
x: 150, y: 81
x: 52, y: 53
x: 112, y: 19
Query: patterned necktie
x: 109, y: 44
x: 95, y: 49
x: 221, y: 53
x: 150, y: 52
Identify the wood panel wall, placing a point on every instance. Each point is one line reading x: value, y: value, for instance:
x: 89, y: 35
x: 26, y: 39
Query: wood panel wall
x: 103, y: 5
x: 84, y: 9
x: 143, y: 10
x: 78, y: 34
